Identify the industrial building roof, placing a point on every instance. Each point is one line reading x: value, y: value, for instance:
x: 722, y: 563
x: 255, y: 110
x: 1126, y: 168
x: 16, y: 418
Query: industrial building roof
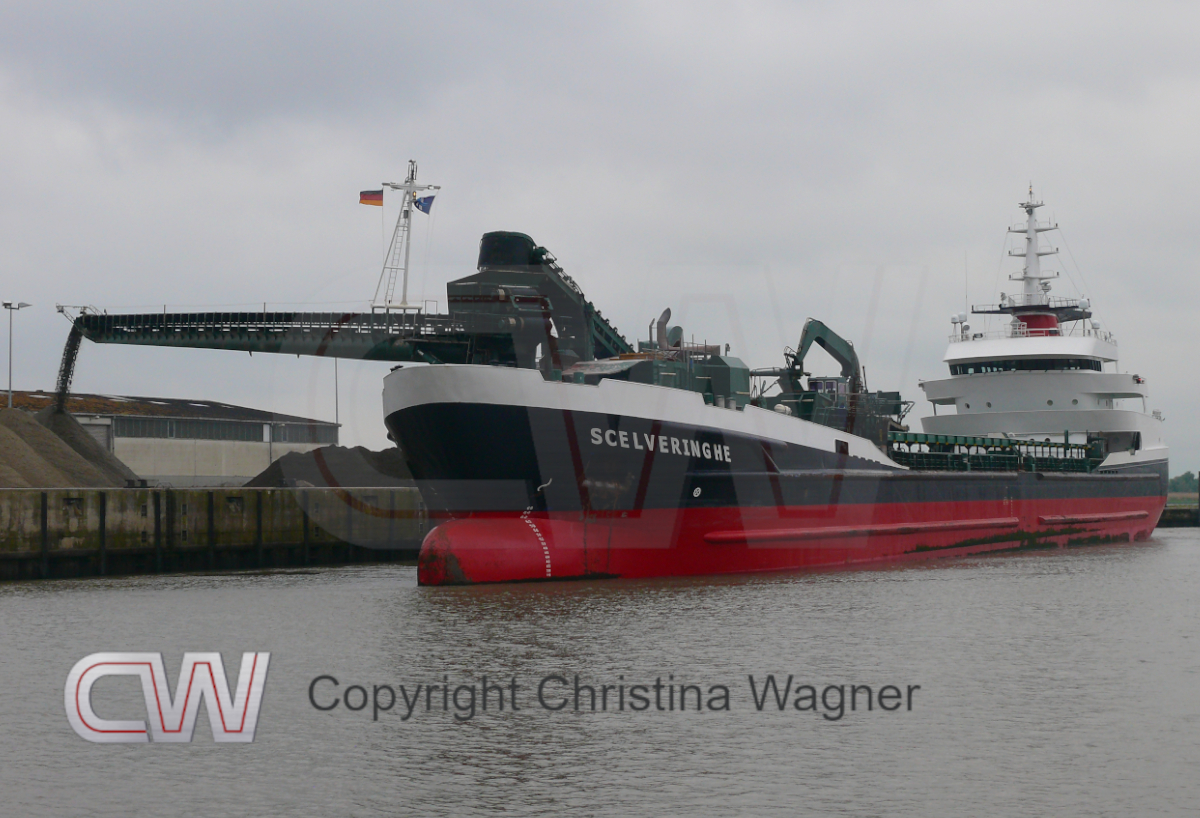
x: 129, y: 406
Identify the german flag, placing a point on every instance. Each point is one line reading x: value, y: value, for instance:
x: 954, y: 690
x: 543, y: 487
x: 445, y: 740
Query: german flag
x: 371, y: 197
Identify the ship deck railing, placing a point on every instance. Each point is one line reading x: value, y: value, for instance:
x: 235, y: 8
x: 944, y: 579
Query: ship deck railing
x: 1054, y: 302
x: 1023, y: 331
x: 967, y: 453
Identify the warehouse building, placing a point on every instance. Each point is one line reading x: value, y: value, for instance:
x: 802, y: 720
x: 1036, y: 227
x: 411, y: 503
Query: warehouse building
x: 182, y: 442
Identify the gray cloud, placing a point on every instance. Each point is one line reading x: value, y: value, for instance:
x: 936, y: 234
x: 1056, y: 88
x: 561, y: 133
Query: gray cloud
x: 737, y: 163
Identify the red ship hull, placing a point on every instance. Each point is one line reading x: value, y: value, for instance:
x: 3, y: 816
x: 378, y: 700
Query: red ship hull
x: 541, y: 546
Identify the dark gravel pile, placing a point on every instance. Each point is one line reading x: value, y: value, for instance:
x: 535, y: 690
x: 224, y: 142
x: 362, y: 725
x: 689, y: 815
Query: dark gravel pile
x: 332, y: 466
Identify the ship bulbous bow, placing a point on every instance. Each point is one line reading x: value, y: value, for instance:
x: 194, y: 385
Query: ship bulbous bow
x: 514, y: 549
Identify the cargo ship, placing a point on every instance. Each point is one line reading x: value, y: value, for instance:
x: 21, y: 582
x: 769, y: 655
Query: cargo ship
x: 566, y: 454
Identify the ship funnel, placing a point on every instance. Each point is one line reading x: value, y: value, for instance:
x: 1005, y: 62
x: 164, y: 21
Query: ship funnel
x: 661, y: 327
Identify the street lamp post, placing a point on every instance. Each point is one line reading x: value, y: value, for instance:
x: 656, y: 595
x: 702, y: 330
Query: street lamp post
x: 12, y: 307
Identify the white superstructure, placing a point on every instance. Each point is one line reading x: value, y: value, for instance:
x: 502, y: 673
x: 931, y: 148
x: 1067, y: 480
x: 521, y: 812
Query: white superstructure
x: 1050, y: 374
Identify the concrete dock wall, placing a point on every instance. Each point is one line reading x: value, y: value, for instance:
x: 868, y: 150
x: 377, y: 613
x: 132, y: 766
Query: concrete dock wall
x: 1179, y: 517
x: 89, y: 532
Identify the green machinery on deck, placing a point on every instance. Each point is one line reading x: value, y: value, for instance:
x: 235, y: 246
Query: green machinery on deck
x: 841, y: 401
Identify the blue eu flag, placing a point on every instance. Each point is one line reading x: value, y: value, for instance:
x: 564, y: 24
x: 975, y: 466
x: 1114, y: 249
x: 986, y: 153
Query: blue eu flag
x: 424, y: 203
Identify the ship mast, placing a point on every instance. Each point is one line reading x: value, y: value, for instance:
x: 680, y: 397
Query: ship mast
x: 396, y: 264
x: 1035, y: 290
x: 1033, y: 311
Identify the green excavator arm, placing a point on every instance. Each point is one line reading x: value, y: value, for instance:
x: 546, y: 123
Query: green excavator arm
x: 815, y: 332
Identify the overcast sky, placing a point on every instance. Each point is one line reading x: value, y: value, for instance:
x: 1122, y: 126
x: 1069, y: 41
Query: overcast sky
x: 747, y: 165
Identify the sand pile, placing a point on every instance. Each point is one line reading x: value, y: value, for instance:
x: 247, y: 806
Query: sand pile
x: 336, y: 466
x: 31, y: 456
x: 20, y: 466
x: 68, y: 430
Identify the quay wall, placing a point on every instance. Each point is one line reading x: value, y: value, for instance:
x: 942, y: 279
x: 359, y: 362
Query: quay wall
x: 1179, y: 517
x: 49, y: 533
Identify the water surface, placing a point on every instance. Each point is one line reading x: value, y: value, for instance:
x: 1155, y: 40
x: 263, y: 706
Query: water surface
x: 1057, y: 683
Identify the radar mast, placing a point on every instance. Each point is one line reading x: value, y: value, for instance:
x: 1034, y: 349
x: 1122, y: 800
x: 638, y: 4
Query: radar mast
x: 395, y: 266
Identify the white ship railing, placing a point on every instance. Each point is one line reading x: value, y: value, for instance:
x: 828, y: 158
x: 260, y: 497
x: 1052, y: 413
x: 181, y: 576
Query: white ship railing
x: 1022, y: 331
x: 1033, y: 300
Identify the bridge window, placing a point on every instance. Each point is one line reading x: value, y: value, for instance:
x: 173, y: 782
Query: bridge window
x: 1026, y: 365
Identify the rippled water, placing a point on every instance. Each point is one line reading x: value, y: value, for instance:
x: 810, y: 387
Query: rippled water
x: 1050, y: 684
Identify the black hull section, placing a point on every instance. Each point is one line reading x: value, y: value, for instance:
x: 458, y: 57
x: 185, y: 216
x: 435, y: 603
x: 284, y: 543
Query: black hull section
x: 499, y: 458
